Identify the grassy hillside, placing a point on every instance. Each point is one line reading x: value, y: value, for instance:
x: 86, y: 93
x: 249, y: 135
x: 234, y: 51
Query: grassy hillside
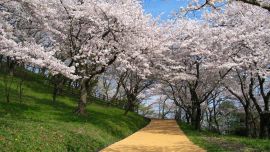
x: 217, y: 143
x: 37, y: 124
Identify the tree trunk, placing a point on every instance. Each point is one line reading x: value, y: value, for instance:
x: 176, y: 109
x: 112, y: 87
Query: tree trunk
x: 117, y: 89
x: 264, y: 125
x: 247, y: 121
x: 193, y: 115
x: 21, y: 90
x: 187, y: 118
x: 55, y: 91
x: 58, y: 82
x: 43, y: 71
x: 217, y: 124
x: 128, y: 107
x: 1, y: 60
x: 83, y: 97
x: 163, y: 110
x: 210, y: 120
x: 198, y: 118
x: 253, y: 129
x: 178, y: 114
x: 159, y: 110
x: 9, y: 78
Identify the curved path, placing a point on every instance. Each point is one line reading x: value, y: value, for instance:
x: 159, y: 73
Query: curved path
x: 158, y: 136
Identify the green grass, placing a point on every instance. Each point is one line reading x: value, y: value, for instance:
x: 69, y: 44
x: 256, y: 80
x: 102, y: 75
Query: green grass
x: 37, y: 124
x: 218, y: 143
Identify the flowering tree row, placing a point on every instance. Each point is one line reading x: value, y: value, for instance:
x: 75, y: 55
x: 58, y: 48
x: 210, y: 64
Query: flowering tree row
x: 80, y: 38
x: 225, y: 53
x: 226, y: 50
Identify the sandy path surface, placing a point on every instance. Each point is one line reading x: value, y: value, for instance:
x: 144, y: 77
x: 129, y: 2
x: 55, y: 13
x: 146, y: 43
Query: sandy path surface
x: 158, y: 136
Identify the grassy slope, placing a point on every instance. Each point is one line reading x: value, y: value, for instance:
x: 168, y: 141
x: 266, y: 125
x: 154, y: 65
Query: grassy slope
x: 218, y: 143
x: 38, y: 125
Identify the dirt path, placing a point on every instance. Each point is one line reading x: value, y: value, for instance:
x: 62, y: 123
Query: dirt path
x: 158, y: 136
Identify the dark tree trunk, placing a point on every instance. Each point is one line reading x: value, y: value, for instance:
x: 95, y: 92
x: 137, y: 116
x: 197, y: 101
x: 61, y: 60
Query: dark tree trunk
x: 8, y: 84
x: 178, y: 114
x: 264, y: 125
x: 187, y: 118
x: 264, y: 114
x: 1, y: 60
x: 215, y: 117
x: 217, y: 124
x: 163, y: 110
x: 129, y: 107
x: 58, y: 81
x: 247, y: 121
x: 210, y: 120
x: 9, y: 78
x: 131, y: 103
x: 198, y: 118
x: 43, y: 71
x: 83, y: 97
x: 55, y: 92
x: 21, y: 90
x: 254, y: 127
x: 193, y: 116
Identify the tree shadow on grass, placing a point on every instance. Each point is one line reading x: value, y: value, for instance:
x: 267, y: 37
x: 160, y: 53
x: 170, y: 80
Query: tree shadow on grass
x: 100, y: 117
x: 109, y: 120
x: 15, y: 109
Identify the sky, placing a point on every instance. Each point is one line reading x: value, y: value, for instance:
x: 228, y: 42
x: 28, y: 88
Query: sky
x: 164, y: 7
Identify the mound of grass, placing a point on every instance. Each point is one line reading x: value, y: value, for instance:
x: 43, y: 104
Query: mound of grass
x: 213, y: 142
x: 37, y: 124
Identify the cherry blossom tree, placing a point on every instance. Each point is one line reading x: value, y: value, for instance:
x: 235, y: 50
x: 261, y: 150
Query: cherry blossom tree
x: 239, y: 86
x: 92, y: 35
x: 194, y: 65
x: 206, y: 50
x: 249, y: 49
x: 18, y: 43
